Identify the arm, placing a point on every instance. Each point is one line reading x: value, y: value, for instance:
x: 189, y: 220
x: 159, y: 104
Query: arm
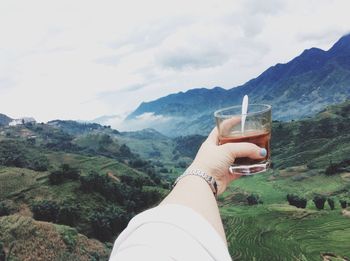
x: 214, y: 160
x: 187, y: 224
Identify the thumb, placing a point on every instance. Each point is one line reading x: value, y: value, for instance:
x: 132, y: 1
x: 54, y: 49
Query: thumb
x: 245, y: 149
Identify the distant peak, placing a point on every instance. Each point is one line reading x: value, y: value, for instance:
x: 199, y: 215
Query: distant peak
x: 345, y: 38
x: 342, y: 45
x: 313, y: 50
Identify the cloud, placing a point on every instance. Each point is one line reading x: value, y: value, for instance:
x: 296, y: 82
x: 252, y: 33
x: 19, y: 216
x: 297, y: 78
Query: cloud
x: 146, y: 120
x: 113, y: 94
x: 183, y: 58
x: 151, y: 117
x: 150, y: 34
x: 321, y: 36
x: 194, y: 47
x: 6, y: 82
x: 83, y: 59
x: 109, y: 120
x: 266, y: 7
x: 109, y: 60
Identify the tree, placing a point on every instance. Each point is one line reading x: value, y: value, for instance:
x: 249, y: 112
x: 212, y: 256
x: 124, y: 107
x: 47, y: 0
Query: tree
x: 45, y: 210
x: 331, y: 169
x: 87, y: 183
x: 319, y: 201
x: 2, y: 252
x: 65, y: 172
x: 343, y: 203
x: 68, y: 214
x: 254, y: 199
x: 70, y: 172
x: 16, y: 154
x: 12, y: 154
x: 4, y: 210
x: 296, y: 201
x: 330, y: 202
x: 164, y: 170
x: 138, y: 163
x: 125, y: 151
x: 56, y: 177
x: 108, y: 223
x: 105, y: 140
x: 39, y: 163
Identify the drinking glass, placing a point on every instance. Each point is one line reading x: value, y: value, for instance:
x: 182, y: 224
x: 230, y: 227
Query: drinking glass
x: 257, y: 130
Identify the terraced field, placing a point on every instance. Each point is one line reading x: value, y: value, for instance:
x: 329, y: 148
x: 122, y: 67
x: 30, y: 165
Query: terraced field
x: 15, y: 180
x: 260, y: 233
x: 277, y: 231
x: 88, y: 163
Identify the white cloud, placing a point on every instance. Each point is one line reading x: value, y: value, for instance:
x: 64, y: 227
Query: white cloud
x: 83, y: 59
x: 195, y: 47
x: 140, y: 122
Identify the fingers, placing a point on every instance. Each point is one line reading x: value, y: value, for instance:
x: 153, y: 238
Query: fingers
x: 245, y: 149
x: 213, y: 136
x: 226, y: 125
x: 225, y: 128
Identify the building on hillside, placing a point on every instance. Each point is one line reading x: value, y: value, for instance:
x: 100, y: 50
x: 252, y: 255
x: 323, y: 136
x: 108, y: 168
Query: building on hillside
x: 22, y: 121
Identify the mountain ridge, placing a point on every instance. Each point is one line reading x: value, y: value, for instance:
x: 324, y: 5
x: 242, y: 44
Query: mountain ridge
x: 296, y: 89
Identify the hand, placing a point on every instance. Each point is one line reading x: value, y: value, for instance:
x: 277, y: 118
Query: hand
x: 215, y: 160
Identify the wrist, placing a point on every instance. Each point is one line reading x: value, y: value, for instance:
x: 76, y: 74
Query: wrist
x: 221, y: 179
x: 198, y: 173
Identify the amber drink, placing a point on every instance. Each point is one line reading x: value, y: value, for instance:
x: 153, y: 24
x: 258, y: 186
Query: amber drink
x: 256, y: 129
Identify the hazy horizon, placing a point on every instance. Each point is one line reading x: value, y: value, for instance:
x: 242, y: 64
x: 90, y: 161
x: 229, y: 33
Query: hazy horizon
x: 81, y: 61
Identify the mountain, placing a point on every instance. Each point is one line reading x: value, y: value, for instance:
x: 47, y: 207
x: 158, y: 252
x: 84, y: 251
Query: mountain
x: 4, y: 120
x: 297, y: 89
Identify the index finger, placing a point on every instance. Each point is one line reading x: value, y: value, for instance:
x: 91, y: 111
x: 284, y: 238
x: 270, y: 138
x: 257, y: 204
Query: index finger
x: 226, y: 125
x: 213, y: 137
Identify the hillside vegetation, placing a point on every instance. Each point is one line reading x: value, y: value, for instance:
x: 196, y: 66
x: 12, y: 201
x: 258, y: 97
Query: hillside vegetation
x: 80, y: 187
x: 27, y: 239
x: 83, y: 186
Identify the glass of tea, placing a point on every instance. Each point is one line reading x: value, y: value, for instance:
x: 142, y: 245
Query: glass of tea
x: 254, y: 127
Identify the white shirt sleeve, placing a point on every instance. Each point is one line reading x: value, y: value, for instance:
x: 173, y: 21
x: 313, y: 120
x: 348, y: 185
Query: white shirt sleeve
x: 169, y: 232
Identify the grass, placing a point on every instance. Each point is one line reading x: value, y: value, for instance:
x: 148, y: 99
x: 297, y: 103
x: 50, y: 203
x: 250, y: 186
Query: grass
x: 285, y: 233
x: 15, y: 180
x: 260, y: 185
x: 147, y: 147
x: 277, y: 231
x: 100, y: 164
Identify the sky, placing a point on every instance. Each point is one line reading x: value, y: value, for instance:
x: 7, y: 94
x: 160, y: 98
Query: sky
x: 84, y: 59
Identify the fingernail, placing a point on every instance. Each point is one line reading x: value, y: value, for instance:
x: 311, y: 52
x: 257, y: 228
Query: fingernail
x: 263, y: 152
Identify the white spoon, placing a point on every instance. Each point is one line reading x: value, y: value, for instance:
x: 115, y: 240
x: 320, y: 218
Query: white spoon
x: 244, y: 111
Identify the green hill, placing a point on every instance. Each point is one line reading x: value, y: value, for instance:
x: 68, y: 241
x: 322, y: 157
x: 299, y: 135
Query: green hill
x: 81, y: 186
x: 316, y: 141
x: 89, y: 183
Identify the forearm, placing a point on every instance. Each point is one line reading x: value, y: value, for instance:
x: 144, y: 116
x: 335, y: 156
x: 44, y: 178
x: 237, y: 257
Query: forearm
x: 195, y: 193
